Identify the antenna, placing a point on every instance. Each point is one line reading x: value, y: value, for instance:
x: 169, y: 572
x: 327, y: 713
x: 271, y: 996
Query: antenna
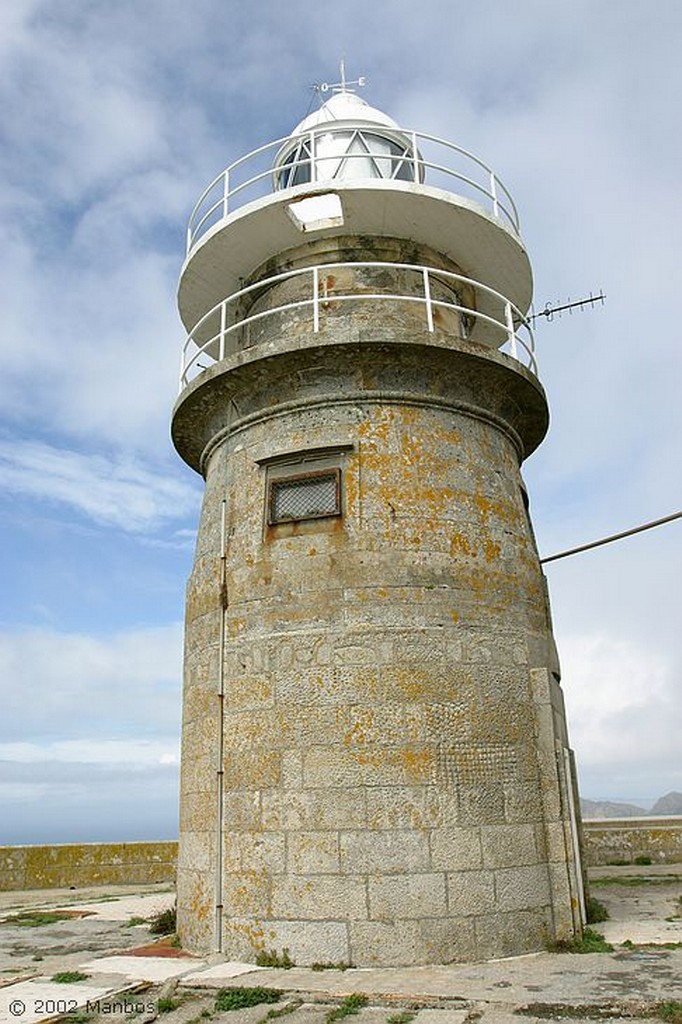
x: 550, y: 310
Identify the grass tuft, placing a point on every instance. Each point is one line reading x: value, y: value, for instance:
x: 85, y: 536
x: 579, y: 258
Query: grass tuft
x: 596, y: 911
x: 38, y: 918
x: 163, y: 923
x: 404, y: 1017
x: 670, y: 1011
x: 281, y: 1011
x: 271, y: 958
x: 634, y: 881
x: 67, y: 977
x: 239, y: 997
x: 591, y: 942
x: 351, y: 1005
x: 166, y: 1003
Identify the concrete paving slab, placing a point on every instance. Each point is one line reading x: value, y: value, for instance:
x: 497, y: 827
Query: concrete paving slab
x: 643, y: 909
x: 646, y: 932
x: 543, y: 977
x: 31, y: 1001
x: 220, y: 973
x: 141, y: 968
x: 434, y: 1016
x: 22, y: 948
x: 123, y: 908
x: 13, y: 900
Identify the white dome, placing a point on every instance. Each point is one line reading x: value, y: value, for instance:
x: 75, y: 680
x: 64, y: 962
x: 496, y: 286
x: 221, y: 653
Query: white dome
x: 344, y: 106
x: 345, y: 139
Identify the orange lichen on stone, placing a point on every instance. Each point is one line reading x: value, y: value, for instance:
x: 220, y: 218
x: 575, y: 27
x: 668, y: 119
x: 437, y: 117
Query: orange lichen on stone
x: 418, y: 764
x: 355, y: 735
x: 199, y: 905
x: 377, y: 424
x: 253, y: 933
x: 459, y: 544
x: 412, y: 682
x: 492, y: 549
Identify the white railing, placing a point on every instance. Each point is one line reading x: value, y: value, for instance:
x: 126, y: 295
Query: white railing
x: 219, y: 333
x: 425, y: 157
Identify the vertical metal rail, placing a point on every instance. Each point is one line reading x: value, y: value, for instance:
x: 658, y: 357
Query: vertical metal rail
x: 220, y: 756
x: 226, y: 193
x: 183, y: 369
x: 316, y: 299
x: 415, y: 159
x: 493, y: 195
x: 223, y: 324
x: 427, y: 299
x: 511, y: 333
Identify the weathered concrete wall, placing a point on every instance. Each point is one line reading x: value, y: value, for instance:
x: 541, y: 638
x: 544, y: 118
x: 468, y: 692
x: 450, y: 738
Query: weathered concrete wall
x: 24, y: 867
x: 622, y: 839
x: 85, y: 864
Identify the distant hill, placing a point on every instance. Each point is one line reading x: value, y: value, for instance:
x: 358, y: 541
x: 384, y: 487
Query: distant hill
x: 671, y: 803
x: 612, y: 809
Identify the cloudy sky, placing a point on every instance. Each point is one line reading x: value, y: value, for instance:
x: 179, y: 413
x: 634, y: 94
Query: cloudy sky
x: 113, y: 118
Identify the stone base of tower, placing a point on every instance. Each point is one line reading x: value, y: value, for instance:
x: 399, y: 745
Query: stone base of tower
x: 398, y: 873
x: 375, y: 766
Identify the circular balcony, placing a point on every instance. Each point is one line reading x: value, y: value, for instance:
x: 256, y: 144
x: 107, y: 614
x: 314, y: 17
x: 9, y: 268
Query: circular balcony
x: 310, y: 299
x: 350, y: 151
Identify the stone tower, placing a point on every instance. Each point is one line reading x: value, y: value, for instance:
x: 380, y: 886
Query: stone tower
x: 375, y: 764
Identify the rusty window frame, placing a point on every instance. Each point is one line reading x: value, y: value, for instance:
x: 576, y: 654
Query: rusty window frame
x: 334, y: 472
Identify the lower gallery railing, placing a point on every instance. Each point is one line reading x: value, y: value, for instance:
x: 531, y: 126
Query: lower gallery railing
x: 486, y: 316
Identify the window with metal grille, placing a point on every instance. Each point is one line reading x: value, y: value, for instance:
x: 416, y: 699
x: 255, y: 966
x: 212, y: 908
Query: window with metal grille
x: 305, y: 496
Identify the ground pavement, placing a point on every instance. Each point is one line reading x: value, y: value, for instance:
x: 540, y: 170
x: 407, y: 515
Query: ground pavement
x: 129, y: 976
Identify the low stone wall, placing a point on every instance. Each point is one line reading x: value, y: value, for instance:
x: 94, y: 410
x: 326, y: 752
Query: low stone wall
x: 85, y: 864
x: 613, y: 840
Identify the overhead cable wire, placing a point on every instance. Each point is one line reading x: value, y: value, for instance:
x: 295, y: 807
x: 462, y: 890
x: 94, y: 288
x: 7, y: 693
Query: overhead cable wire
x: 614, y: 536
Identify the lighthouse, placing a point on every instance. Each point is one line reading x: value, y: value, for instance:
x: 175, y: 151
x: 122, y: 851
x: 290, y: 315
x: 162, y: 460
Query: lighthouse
x: 375, y: 762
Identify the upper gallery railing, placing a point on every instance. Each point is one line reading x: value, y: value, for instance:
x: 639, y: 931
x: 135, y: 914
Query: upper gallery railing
x: 402, y: 156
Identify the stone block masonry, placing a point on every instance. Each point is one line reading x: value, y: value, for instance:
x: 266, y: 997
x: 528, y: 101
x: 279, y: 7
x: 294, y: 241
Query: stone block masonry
x: 393, y: 784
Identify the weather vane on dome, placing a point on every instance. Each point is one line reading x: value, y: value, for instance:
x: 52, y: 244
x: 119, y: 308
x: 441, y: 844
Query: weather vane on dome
x: 343, y: 85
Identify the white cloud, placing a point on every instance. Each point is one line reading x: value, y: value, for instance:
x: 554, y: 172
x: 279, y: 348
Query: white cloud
x: 624, y: 709
x: 89, y: 740
x: 132, y: 754
x: 615, y: 611
x: 65, y: 693
x: 118, y: 492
